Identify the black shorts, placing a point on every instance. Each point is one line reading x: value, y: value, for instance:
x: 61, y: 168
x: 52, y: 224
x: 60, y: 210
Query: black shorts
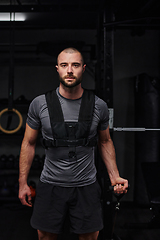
x: 53, y: 203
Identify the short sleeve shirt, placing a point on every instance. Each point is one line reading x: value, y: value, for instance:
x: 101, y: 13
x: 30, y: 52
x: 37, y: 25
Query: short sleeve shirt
x: 58, y: 168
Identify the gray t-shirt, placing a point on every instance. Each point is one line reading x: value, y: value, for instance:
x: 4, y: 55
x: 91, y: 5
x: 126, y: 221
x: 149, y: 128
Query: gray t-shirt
x: 58, y: 168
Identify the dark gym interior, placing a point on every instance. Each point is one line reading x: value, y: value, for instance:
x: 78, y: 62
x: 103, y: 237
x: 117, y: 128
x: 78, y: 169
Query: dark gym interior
x: 120, y: 41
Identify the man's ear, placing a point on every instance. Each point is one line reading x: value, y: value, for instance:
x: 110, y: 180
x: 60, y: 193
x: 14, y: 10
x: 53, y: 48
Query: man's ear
x: 56, y: 67
x: 84, y: 67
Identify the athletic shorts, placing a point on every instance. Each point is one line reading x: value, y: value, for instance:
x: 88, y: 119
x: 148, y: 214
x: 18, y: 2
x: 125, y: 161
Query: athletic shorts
x: 53, y: 203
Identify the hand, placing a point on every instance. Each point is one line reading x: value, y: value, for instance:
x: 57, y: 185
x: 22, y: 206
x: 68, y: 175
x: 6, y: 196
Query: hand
x: 25, y: 195
x: 120, y: 185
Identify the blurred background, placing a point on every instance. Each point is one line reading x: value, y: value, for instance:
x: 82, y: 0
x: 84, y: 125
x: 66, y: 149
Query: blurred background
x: 120, y: 41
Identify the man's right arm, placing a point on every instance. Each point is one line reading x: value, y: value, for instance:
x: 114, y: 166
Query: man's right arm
x: 26, y: 158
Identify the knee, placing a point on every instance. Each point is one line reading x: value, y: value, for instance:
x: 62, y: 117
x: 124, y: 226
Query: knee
x: 89, y: 236
x: 42, y: 235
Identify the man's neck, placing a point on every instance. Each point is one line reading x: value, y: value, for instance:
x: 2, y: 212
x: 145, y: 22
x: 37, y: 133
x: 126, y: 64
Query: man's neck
x: 71, y: 93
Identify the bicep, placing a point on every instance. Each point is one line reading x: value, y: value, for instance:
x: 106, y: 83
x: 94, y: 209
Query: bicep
x: 30, y: 136
x: 106, y: 147
x: 104, y: 135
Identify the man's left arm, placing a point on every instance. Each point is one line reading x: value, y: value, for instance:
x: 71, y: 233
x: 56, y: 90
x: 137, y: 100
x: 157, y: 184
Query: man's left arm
x: 107, y: 152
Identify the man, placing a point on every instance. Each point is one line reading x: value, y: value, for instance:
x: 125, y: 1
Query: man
x: 68, y: 179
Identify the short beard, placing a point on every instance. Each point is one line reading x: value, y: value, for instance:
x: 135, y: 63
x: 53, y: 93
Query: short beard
x: 74, y: 84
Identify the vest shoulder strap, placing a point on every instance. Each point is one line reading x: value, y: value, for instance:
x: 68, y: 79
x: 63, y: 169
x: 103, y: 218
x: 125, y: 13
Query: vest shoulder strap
x: 54, y: 107
x: 87, y: 106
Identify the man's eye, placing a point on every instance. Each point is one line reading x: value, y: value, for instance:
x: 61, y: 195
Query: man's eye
x: 63, y: 65
x: 76, y: 65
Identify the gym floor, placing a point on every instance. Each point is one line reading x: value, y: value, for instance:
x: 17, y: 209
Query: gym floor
x: 131, y: 223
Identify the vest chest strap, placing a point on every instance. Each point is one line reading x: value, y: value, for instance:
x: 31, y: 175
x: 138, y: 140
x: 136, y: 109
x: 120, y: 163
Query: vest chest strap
x: 69, y: 143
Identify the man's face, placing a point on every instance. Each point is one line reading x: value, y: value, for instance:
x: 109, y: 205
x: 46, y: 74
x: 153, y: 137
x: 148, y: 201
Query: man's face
x: 70, y: 68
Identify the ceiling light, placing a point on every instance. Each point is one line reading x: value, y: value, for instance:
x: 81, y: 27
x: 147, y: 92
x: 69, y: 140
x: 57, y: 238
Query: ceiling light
x: 12, y: 17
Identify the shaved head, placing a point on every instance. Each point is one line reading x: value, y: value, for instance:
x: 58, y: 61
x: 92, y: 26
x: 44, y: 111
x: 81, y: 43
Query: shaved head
x: 71, y: 50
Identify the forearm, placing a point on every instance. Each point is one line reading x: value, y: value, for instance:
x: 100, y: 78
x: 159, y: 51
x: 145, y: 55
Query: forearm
x: 26, y: 158
x: 107, y: 152
x: 108, y: 155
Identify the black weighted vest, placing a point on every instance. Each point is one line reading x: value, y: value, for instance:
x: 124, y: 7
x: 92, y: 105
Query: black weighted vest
x: 70, y: 134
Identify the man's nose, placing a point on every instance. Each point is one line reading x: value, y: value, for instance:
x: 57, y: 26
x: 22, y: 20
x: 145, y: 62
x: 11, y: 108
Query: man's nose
x: 69, y: 69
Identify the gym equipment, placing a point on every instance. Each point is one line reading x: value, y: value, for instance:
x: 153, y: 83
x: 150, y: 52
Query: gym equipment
x: 147, y: 115
x: 20, y: 120
x: 5, y: 191
x: 117, y: 207
x: 10, y: 161
x: 32, y: 186
x: 3, y: 159
x: 134, y: 129
x: 10, y: 108
x: 16, y: 162
x: 151, y: 175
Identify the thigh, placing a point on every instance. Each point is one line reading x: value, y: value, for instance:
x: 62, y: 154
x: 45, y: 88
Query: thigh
x: 49, y: 208
x: 86, y: 211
